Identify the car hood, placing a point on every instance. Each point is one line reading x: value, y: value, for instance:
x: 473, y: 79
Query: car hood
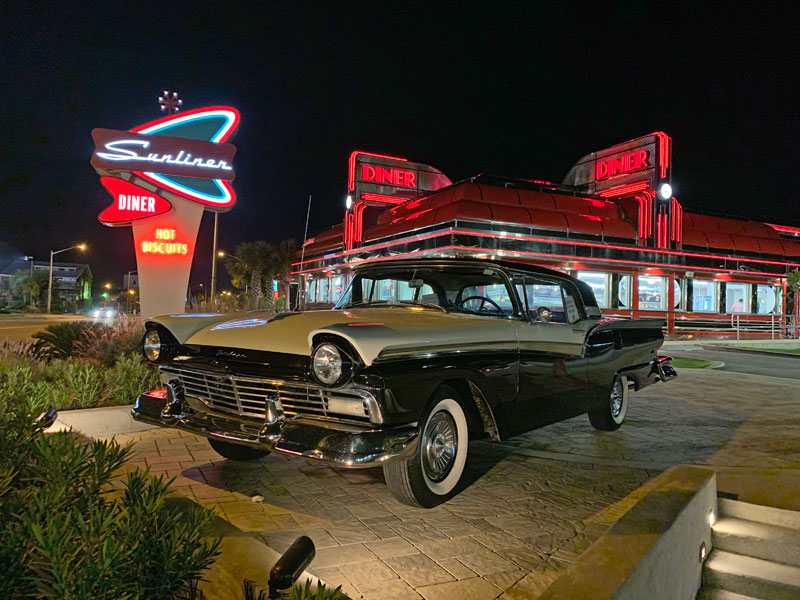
x: 373, y: 332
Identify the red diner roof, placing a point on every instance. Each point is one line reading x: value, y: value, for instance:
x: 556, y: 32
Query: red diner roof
x: 491, y: 203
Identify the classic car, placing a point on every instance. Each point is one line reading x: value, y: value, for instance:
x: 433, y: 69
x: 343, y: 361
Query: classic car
x: 417, y: 359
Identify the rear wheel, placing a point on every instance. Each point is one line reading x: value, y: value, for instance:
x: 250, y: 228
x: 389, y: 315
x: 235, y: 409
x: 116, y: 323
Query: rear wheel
x: 235, y: 451
x: 431, y: 474
x: 611, y: 415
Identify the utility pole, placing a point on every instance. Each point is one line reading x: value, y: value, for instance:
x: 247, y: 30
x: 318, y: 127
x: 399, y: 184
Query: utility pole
x: 214, y: 262
x: 300, y: 281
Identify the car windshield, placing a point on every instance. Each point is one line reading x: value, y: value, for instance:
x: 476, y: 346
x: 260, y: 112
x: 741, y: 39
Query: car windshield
x: 481, y: 291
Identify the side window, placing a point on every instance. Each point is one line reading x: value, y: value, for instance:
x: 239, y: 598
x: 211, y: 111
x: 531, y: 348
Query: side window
x: 543, y: 294
x: 571, y: 304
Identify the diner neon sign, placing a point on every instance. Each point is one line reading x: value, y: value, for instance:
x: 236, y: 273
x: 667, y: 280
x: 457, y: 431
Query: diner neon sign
x: 389, y: 176
x: 625, y: 163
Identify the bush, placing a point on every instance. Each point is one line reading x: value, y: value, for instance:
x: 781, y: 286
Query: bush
x: 68, y: 384
x: 104, y: 345
x: 64, y: 531
x: 59, y: 340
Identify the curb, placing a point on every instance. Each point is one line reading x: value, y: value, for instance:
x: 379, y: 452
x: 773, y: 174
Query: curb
x: 99, y: 422
x: 716, y: 364
x: 746, y: 351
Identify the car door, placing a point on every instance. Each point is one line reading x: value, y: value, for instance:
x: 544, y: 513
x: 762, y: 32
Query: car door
x: 552, y: 368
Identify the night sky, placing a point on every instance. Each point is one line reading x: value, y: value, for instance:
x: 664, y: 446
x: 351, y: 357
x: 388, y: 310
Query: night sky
x: 500, y: 90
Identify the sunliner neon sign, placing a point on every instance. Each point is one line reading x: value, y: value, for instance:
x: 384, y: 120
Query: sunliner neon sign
x: 120, y: 153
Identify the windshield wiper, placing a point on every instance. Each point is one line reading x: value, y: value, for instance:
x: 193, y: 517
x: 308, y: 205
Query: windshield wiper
x: 425, y: 304
x: 368, y: 303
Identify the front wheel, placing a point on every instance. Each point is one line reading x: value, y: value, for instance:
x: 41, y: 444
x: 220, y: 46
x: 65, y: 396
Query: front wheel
x: 431, y: 474
x: 611, y: 415
x: 236, y: 451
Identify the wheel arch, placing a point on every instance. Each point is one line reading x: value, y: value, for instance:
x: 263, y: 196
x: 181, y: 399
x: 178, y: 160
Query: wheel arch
x: 480, y: 416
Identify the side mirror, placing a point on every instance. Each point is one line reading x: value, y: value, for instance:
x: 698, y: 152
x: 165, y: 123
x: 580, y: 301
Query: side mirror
x: 544, y: 314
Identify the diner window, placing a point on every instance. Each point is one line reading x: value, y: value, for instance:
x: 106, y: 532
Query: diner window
x: 704, y: 295
x: 323, y: 286
x: 599, y: 282
x: 652, y: 293
x: 624, y: 291
x: 737, y: 297
x: 766, y: 299
x: 337, y: 286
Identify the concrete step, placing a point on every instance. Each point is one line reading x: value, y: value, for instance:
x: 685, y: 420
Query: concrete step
x: 759, y: 540
x: 718, y: 594
x: 756, y: 512
x: 751, y: 576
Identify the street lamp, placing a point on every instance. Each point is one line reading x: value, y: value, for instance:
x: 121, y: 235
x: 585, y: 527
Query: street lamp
x: 50, y: 281
x: 30, y: 282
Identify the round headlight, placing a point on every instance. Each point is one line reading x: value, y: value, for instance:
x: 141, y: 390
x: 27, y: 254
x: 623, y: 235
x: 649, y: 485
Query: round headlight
x: 326, y: 363
x: 151, y: 345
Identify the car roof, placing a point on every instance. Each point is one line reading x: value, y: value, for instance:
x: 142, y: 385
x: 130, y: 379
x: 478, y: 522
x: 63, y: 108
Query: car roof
x: 466, y: 261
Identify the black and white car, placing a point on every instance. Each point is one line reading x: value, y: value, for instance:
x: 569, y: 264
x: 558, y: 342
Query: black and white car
x: 418, y: 358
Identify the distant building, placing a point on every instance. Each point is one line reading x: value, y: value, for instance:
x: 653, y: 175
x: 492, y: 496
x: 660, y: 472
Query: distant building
x: 72, y: 282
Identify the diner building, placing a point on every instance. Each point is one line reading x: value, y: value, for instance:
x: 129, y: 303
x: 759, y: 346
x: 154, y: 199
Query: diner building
x: 613, y: 222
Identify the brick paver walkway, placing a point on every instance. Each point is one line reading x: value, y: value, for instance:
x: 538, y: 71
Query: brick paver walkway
x: 535, y: 503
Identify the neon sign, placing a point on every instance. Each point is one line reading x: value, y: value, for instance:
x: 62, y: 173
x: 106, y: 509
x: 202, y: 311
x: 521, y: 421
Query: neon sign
x: 164, y: 243
x: 131, y: 203
x: 119, y: 153
x: 391, y: 176
x: 186, y: 155
x: 626, y: 163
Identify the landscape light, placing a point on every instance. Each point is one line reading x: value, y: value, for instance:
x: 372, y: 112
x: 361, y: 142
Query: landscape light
x: 665, y: 191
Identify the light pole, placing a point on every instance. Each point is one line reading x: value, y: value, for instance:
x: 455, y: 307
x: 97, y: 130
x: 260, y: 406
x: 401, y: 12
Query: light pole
x: 50, y: 280
x: 214, y: 255
x: 30, y: 281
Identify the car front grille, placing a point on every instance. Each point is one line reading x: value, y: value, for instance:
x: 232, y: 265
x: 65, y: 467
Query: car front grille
x: 246, y: 396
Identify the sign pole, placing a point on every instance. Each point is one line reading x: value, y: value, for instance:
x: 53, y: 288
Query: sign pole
x: 214, y: 263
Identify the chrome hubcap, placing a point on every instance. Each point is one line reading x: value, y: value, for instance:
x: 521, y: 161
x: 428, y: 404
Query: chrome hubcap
x: 439, y: 446
x: 616, y: 398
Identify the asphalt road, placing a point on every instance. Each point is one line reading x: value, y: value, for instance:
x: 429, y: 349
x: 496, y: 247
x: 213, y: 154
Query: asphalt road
x: 21, y: 328
x: 745, y: 362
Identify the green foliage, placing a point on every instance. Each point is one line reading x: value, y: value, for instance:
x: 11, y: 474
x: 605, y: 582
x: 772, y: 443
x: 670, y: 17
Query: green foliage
x: 106, y: 344
x: 298, y: 592
x: 255, y: 264
x: 23, y: 284
x: 304, y: 592
x: 60, y: 339
x: 64, y: 532
x: 69, y: 384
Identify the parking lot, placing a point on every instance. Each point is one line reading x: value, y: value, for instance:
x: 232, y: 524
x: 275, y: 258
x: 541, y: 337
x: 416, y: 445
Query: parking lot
x: 534, y: 502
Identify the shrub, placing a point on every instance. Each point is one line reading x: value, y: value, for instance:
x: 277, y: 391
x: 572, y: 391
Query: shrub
x: 104, y: 345
x: 130, y: 376
x: 64, y: 531
x: 14, y: 354
x: 59, y: 340
x: 68, y: 384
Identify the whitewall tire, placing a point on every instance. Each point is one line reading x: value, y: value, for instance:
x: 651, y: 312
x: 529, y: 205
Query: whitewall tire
x: 611, y: 415
x: 431, y: 475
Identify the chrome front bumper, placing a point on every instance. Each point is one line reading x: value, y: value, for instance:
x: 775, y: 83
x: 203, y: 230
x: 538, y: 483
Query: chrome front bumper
x: 332, y: 443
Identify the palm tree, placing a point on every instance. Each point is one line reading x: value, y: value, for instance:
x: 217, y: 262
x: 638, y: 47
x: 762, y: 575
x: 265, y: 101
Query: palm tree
x: 285, y: 255
x: 249, y: 265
